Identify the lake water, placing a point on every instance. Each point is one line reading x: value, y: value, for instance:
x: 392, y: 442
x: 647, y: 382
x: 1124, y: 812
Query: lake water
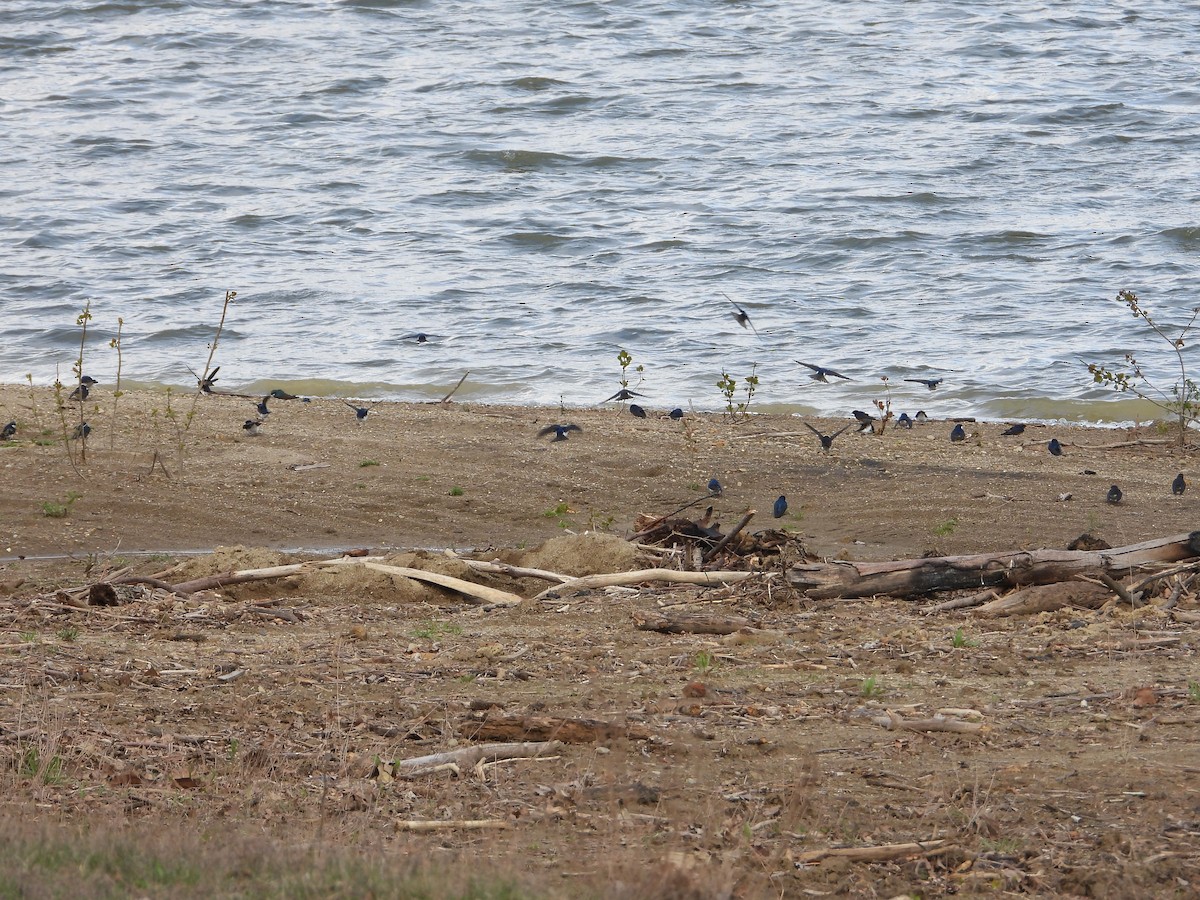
x: 914, y: 189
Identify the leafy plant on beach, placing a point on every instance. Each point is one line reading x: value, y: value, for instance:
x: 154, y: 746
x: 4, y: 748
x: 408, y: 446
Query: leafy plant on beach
x: 115, y: 344
x: 735, y: 410
x: 52, y: 509
x: 37, y: 416
x: 884, y: 406
x: 1182, y: 399
x: 625, y: 360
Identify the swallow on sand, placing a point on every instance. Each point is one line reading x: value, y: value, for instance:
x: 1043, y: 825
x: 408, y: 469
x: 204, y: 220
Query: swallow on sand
x: 1114, y: 495
x: 866, y: 421
x: 82, y: 430
x: 820, y: 373
x: 560, y: 431
x: 714, y: 487
x: 904, y: 421
x: 251, y: 427
x: 281, y: 394
x: 637, y: 411
x: 780, y: 507
x: 676, y: 413
x: 1054, y: 447
x: 6, y: 434
x: 958, y: 433
x: 1178, y: 486
x: 1019, y: 428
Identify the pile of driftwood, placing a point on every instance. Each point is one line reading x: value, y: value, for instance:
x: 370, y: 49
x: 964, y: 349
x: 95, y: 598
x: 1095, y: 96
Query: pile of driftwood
x: 699, y: 542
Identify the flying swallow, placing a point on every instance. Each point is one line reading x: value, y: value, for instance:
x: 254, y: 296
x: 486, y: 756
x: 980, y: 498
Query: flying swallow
x: 6, y: 434
x: 1019, y: 428
x: 820, y: 373
x: 251, y: 427
x: 676, y: 413
x: 780, y: 507
x: 826, y: 439
x: 714, y: 487
x: 82, y: 430
x: 742, y: 317
x: 637, y: 411
x: 904, y: 421
x: 1054, y: 447
x: 1178, y: 486
x: 360, y: 412
x: 930, y: 383
x: 1114, y: 495
x: 865, y: 421
x: 262, y: 406
x: 958, y: 433
x: 281, y: 394
x: 560, y: 432
x: 622, y: 394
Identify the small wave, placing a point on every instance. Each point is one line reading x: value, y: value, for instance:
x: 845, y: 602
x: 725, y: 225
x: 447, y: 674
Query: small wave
x: 519, y: 160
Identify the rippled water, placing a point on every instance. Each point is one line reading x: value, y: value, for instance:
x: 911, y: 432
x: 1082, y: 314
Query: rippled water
x: 916, y: 189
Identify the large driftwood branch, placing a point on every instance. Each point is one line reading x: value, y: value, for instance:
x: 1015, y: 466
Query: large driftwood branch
x: 914, y: 577
x: 711, y: 579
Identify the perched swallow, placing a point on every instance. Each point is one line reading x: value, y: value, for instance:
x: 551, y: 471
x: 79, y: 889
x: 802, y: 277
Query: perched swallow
x: 637, y: 411
x: 904, y: 421
x: 80, y: 393
x: 742, y: 317
x: 262, y: 406
x: 1114, y: 495
x: 281, y: 394
x: 1019, y: 428
x: 6, y: 434
x: 82, y: 430
x: 958, y: 433
x: 360, y: 412
x: 920, y: 416
x: 251, y: 427
x: 826, y: 439
x: 930, y: 383
x: 865, y: 421
x: 820, y: 373
x: 780, y: 507
x: 1054, y: 447
x: 714, y: 487
x: 622, y: 394
x: 560, y: 431
x: 1178, y: 486
x: 676, y: 413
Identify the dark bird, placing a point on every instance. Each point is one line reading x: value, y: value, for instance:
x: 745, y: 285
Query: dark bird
x: 1054, y: 447
x: 957, y: 433
x: 742, y: 317
x: 904, y: 421
x: 714, y: 487
x: 82, y: 430
x: 622, y: 394
x: 920, y: 416
x: 865, y: 421
x: 420, y: 337
x: 6, y: 434
x: 930, y: 383
x: 825, y: 439
x: 780, y: 507
x: 1178, y: 486
x: 206, y: 383
x: 1114, y: 495
x: 251, y: 427
x: 80, y: 393
x: 560, y: 432
x: 281, y: 394
x: 820, y: 373
x: 360, y: 412
x: 676, y: 413
x: 1019, y: 428
x: 637, y: 410
x: 88, y: 380
x: 262, y: 406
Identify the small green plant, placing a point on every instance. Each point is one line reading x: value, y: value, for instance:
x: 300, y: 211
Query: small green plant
x: 429, y: 631
x: 945, y: 529
x: 368, y: 462
x: 871, y: 687
x: 960, y: 640
x: 559, y: 512
x: 1182, y: 399
x: 30, y: 637
x: 625, y: 360
x: 68, y: 634
x: 884, y: 406
x: 735, y: 410
x: 704, y: 662
x: 456, y: 491
x: 1193, y: 691
x: 49, y: 771
x: 52, y: 509
x: 37, y: 415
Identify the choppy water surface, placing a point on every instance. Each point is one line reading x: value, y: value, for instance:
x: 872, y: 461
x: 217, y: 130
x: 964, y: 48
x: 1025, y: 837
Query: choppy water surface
x: 937, y: 187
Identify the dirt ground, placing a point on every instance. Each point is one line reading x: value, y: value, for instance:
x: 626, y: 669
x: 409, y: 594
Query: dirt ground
x: 712, y: 765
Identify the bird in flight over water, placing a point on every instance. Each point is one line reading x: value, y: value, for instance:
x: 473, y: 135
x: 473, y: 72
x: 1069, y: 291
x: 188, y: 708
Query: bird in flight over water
x: 739, y: 314
x: 930, y: 383
x: 820, y: 373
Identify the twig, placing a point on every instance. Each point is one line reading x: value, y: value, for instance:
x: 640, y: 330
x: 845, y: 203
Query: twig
x: 499, y: 568
x: 469, y: 757
x: 962, y: 602
x: 669, y: 575
x: 446, y: 399
x: 874, y: 854
x: 733, y: 532
x: 447, y: 824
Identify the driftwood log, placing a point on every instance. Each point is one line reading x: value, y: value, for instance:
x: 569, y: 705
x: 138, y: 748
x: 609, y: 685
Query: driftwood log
x: 503, y: 727
x: 915, y: 577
